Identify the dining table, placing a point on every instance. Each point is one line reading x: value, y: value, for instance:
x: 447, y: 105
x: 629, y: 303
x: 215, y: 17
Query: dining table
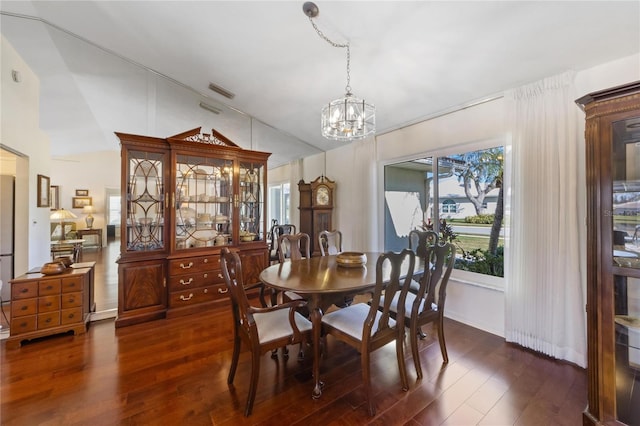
x: 322, y: 281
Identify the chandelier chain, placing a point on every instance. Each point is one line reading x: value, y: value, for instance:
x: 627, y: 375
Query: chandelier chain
x: 334, y: 44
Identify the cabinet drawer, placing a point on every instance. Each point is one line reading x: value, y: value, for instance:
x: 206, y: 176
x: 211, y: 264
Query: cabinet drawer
x: 20, y: 308
x: 71, y: 316
x: 196, y: 279
x: 24, y: 290
x: 193, y: 264
x: 48, y: 320
x: 71, y: 300
x: 48, y: 304
x: 197, y: 295
x: 71, y: 284
x: 23, y: 324
x: 49, y: 287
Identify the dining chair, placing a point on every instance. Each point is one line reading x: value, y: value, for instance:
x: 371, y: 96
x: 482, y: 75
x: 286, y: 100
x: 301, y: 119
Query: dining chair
x: 427, y: 306
x: 418, y: 243
x: 330, y: 242
x: 367, y: 327
x: 261, y: 329
x: 294, y: 246
x: 275, y: 232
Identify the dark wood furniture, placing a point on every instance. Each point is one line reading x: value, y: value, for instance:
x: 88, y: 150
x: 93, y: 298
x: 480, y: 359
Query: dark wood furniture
x: 43, y: 305
x: 183, y: 199
x: 97, y: 232
x: 427, y: 305
x: 316, y: 208
x: 294, y: 246
x: 369, y: 326
x: 274, y: 233
x: 322, y: 283
x: 613, y: 264
x: 330, y: 242
x: 260, y: 329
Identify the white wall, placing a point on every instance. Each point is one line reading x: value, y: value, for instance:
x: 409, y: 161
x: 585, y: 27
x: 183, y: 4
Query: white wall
x: 20, y: 132
x: 479, y: 306
x: 94, y: 171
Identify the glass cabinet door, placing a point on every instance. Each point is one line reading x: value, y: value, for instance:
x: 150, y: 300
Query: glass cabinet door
x: 203, y: 202
x: 626, y: 258
x: 251, y: 201
x: 145, y: 201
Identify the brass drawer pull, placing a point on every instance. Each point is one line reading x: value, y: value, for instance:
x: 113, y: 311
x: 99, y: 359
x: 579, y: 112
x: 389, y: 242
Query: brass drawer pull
x: 220, y: 276
x: 186, y: 298
x: 186, y: 267
x: 186, y: 283
x: 223, y: 290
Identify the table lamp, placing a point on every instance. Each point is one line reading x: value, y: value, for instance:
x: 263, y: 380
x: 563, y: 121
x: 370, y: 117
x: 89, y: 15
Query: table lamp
x: 89, y: 219
x: 62, y: 215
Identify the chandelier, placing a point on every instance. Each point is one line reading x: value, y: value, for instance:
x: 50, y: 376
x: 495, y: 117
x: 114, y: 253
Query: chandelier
x: 347, y: 118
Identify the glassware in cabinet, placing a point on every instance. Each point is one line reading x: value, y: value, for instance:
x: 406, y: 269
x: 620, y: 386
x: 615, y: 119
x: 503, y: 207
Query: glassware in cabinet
x: 203, y: 209
x: 251, y: 201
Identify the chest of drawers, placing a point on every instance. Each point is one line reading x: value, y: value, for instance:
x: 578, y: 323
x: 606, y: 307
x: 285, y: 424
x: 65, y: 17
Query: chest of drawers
x: 43, y: 305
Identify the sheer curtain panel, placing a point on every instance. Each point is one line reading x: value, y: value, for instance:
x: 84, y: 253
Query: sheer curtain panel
x: 544, y: 293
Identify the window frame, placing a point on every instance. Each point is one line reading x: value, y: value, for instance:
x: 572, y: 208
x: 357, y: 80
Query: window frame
x: 467, y: 277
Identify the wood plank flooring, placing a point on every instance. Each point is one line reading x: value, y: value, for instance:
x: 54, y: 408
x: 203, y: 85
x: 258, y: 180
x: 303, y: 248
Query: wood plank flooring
x: 174, y: 372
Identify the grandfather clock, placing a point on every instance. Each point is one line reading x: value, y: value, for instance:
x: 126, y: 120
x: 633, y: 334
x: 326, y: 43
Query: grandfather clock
x: 316, y: 208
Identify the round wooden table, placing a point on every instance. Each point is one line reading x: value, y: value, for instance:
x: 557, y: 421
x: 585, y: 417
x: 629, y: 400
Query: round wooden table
x: 322, y: 282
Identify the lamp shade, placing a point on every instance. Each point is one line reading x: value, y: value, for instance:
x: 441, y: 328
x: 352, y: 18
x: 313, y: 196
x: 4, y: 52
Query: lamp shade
x: 88, y: 210
x: 62, y: 214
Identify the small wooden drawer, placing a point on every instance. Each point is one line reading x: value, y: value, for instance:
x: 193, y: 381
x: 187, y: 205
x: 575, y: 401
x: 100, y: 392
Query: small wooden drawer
x: 24, y: 290
x: 192, y: 265
x: 23, y: 307
x: 23, y: 324
x: 71, y: 300
x: 71, y: 316
x: 48, y: 320
x: 48, y: 304
x: 197, y: 295
x: 71, y: 284
x: 197, y: 279
x: 48, y: 287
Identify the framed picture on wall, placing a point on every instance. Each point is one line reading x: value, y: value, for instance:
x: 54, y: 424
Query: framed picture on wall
x: 80, y: 202
x: 82, y: 192
x: 44, y: 198
x: 54, y: 196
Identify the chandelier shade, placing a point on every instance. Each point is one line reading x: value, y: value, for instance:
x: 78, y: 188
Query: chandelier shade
x: 348, y: 118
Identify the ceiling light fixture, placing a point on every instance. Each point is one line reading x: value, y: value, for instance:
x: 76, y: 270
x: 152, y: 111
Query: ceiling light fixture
x: 346, y: 118
x: 221, y: 91
x: 210, y: 108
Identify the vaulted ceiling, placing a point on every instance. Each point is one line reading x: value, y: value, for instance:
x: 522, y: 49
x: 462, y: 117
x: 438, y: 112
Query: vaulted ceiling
x: 144, y: 66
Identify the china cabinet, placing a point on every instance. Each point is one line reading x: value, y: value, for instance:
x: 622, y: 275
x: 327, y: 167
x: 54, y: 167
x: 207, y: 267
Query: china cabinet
x: 612, y: 135
x: 184, y: 198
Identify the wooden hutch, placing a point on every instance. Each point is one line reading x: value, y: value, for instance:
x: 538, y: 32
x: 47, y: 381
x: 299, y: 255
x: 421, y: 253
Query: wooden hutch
x: 183, y: 199
x: 613, y: 255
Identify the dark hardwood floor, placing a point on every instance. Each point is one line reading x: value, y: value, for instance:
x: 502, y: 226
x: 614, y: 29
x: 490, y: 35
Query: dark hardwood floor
x: 173, y: 372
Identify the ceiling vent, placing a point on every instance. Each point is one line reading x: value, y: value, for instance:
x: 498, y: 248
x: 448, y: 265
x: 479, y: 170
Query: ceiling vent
x: 221, y: 91
x: 210, y: 108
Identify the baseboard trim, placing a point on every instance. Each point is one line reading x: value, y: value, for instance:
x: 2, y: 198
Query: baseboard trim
x: 102, y: 315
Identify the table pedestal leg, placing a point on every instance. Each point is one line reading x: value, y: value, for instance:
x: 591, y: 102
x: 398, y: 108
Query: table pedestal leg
x: 316, y: 323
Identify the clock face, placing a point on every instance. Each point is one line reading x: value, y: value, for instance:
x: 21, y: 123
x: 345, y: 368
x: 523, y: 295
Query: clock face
x: 322, y: 196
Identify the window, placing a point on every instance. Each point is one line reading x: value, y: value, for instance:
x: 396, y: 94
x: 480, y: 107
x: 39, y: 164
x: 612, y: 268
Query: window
x: 457, y: 194
x: 279, y: 203
x: 449, y: 206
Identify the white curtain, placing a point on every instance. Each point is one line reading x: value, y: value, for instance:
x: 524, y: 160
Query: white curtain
x: 295, y: 174
x: 544, y: 291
